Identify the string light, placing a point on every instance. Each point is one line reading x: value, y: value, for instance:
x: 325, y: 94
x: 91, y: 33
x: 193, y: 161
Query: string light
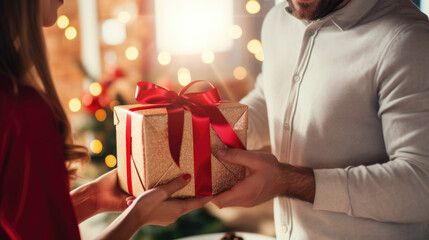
x: 74, y: 105
x: 100, y: 115
x: 96, y: 146
x: 208, y: 56
x: 124, y: 17
x: 71, y: 33
x: 63, y: 21
x: 110, y: 161
x: 236, y: 32
x: 260, y: 55
x: 184, y: 76
x: 253, y: 6
x: 95, y: 89
x: 240, y: 73
x: 254, y: 46
x: 132, y: 53
x: 164, y: 58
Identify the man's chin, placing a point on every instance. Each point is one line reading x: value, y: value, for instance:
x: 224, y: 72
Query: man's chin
x: 303, y: 10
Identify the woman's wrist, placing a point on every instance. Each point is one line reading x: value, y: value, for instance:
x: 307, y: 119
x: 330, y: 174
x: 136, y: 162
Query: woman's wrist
x: 85, y: 201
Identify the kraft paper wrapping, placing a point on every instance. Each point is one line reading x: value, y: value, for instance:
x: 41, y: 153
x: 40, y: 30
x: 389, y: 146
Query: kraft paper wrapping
x: 151, y: 161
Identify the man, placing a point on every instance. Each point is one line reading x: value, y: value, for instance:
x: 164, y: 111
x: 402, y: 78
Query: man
x: 344, y: 96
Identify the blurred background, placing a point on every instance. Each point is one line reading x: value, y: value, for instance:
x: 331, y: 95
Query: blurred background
x: 99, y: 50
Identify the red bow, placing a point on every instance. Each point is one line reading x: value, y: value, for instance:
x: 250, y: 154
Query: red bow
x: 203, y: 107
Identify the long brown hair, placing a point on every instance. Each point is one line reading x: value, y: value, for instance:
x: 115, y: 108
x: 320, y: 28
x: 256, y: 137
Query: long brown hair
x: 23, y: 58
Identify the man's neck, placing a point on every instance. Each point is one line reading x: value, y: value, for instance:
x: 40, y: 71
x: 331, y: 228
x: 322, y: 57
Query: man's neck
x: 344, y: 3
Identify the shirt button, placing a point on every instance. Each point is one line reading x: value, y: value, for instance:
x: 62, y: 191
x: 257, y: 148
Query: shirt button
x: 284, y: 228
x: 296, y: 78
x: 310, y: 33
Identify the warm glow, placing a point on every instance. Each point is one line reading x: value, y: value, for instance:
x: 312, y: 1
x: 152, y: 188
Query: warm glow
x: 100, y: 115
x: 260, y: 55
x: 186, y: 27
x: 95, y: 89
x: 164, y: 58
x: 184, y: 76
x: 74, y: 105
x: 124, y: 17
x: 254, y: 46
x: 71, y: 33
x: 113, y: 32
x: 236, y: 32
x: 113, y: 104
x: 132, y: 53
x: 63, y: 21
x: 208, y: 56
x: 253, y: 6
x: 96, y: 146
x: 110, y: 161
x: 240, y: 73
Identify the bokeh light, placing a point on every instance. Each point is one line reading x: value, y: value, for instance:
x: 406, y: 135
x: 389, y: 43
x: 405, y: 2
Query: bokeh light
x: 236, y: 32
x: 75, y: 105
x: 260, y: 55
x: 240, y: 73
x: 253, y: 6
x: 113, y: 104
x: 124, y: 17
x: 132, y: 53
x: 164, y: 58
x: 63, y: 21
x: 96, y: 146
x: 95, y: 89
x: 70, y: 33
x: 208, y: 56
x: 254, y: 46
x: 100, y: 115
x: 184, y: 76
x: 110, y: 161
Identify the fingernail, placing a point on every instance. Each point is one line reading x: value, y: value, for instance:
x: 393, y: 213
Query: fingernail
x: 129, y: 202
x: 130, y: 198
x: 186, y: 177
x: 221, y: 153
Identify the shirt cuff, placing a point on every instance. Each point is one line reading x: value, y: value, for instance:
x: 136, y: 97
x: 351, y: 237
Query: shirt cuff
x: 331, y: 190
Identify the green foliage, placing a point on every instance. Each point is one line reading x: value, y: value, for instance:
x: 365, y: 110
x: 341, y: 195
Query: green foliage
x: 197, y: 222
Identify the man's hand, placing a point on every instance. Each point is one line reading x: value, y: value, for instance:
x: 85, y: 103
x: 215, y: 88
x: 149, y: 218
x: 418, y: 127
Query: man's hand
x: 265, y: 179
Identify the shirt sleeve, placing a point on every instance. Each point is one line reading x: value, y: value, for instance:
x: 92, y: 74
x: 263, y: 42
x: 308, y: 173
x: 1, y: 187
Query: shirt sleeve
x: 34, y: 192
x: 398, y: 190
x: 258, y: 131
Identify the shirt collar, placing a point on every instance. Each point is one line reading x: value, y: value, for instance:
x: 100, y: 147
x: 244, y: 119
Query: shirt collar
x: 349, y: 15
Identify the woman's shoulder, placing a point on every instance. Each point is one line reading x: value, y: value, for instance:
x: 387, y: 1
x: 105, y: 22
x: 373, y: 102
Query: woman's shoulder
x: 19, y: 101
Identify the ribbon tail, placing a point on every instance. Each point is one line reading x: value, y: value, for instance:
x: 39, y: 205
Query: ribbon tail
x: 223, y: 129
x: 176, y: 117
x: 202, y: 152
x: 128, y: 151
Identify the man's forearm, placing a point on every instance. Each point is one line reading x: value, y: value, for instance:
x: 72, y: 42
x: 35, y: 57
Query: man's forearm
x: 299, y: 182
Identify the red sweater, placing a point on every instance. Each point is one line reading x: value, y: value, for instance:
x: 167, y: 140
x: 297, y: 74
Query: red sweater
x: 34, y: 188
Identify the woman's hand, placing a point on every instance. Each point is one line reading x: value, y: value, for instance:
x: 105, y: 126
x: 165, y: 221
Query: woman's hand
x: 152, y: 207
x: 109, y: 197
x: 100, y: 195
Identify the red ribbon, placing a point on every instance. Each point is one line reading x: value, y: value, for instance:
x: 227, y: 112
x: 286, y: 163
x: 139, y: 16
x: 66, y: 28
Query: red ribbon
x: 203, y: 107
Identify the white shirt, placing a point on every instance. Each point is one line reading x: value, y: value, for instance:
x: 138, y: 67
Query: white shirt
x: 348, y: 95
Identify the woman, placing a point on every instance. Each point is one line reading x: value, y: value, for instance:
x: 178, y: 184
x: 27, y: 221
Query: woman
x: 37, y: 153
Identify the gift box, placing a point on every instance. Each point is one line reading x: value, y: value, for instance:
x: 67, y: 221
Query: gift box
x: 143, y: 135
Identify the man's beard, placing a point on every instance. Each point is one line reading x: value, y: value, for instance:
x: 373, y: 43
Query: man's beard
x: 322, y: 9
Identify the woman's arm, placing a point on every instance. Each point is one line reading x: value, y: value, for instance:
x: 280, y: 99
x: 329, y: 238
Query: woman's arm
x: 100, y: 195
x: 152, y: 207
